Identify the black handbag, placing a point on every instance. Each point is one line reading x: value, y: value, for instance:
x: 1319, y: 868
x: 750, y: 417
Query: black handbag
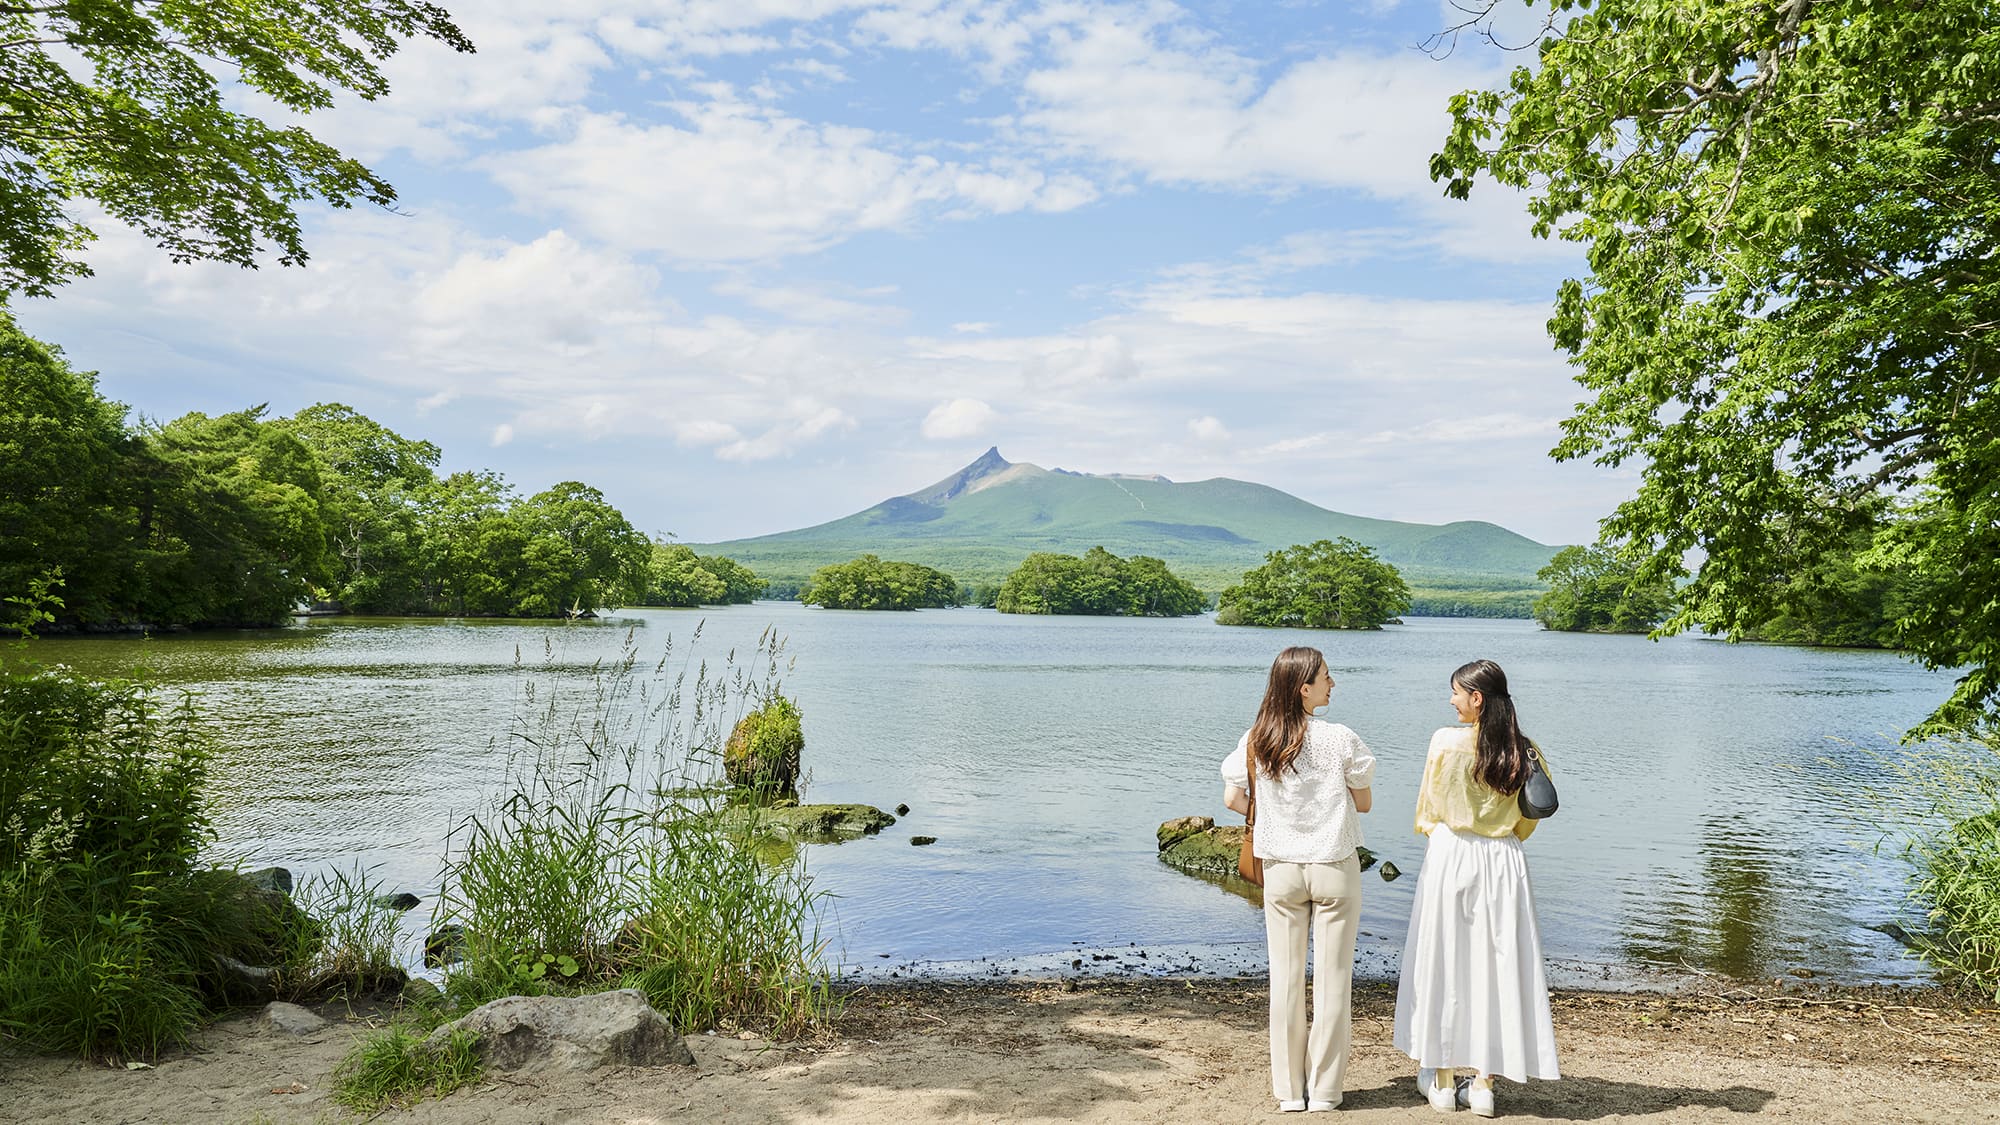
x: 1538, y: 794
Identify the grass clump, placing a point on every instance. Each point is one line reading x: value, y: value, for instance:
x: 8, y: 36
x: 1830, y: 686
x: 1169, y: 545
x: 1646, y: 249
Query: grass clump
x: 400, y: 1066
x: 603, y: 862
x: 346, y: 942
x: 1951, y: 790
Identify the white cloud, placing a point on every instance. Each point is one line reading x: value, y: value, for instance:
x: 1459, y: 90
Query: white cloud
x: 737, y: 182
x: 705, y: 431
x: 1208, y: 428
x: 809, y: 421
x: 502, y: 434
x: 959, y: 418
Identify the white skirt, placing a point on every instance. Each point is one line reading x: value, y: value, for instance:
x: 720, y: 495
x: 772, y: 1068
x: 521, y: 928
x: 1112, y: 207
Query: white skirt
x: 1472, y: 992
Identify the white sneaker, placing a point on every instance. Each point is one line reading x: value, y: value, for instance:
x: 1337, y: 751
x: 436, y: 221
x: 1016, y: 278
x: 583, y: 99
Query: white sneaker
x: 1442, y: 1098
x: 1314, y: 1105
x: 1298, y: 1106
x: 1477, y: 1096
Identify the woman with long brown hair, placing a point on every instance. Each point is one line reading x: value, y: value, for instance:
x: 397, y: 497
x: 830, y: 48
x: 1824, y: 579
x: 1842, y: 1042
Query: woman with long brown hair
x: 1472, y: 992
x: 1312, y: 781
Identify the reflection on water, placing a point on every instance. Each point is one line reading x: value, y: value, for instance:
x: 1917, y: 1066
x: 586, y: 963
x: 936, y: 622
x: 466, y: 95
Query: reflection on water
x: 1709, y: 790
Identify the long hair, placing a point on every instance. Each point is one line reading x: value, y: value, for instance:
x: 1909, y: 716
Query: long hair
x: 1279, y: 733
x: 1500, y: 758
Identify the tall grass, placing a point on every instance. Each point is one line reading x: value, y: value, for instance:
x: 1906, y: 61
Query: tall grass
x: 1951, y: 791
x: 601, y: 861
x: 347, y: 942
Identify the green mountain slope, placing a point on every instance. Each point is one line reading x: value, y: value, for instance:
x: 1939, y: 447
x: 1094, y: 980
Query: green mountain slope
x: 981, y: 521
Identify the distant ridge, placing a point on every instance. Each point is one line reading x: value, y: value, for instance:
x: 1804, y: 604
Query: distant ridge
x: 981, y: 521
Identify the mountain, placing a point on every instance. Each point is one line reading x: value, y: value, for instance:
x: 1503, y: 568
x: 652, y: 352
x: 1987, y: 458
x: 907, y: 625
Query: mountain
x: 981, y: 521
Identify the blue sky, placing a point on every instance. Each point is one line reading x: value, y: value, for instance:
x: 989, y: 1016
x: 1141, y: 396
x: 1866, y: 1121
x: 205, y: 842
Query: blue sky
x: 755, y: 264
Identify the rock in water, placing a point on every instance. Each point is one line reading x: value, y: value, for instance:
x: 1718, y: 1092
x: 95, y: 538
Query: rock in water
x: 920, y: 841
x: 445, y: 947
x: 1389, y: 871
x: 1181, y: 827
x: 902, y: 810
x: 270, y: 879
x: 401, y: 900
x: 814, y: 824
x: 532, y: 1033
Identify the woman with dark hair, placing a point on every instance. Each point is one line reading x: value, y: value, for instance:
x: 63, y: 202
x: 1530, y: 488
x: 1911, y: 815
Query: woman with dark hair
x: 1312, y: 780
x: 1472, y: 992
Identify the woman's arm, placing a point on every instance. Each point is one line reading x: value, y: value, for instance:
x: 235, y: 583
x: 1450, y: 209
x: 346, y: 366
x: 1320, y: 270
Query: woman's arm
x: 1364, y: 799
x: 1236, y: 799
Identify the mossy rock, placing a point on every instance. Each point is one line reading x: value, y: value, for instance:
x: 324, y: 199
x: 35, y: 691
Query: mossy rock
x: 813, y: 824
x: 762, y: 754
x: 1197, y: 843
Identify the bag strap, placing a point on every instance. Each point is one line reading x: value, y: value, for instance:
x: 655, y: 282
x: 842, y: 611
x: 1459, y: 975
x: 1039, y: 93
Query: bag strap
x: 1250, y: 761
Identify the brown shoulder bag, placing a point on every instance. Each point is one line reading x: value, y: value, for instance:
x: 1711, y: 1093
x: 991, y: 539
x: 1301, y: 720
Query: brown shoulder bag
x: 1247, y: 863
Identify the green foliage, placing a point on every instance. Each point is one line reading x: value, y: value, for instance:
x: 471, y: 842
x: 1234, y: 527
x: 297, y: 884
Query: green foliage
x: 1593, y: 590
x: 1843, y: 598
x: 1793, y: 293
x: 1319, y: 585
x: 398, y: 1067
x: 679, y: 577
x: 604, y: 860
x: 229, y: 525
x: 63, y: 449
x: 236, y: 519
x: 762, y: 754
x: 346, y: 944
x: 1099, y: 583
x: 121, y: 104
x: 870, y: 583
x: 107, y: 930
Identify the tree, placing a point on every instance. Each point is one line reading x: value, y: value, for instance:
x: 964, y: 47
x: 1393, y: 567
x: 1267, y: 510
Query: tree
x: 372, y: 478
x: 871, y: 583
x: 1593, y: 590
x: 229, y: 530
x: 63, y: 517
x: 679, y: 577
x: 1793, y: 235
x: 1837, y: 601
x: 579, y: 553
x: 1320, y: 585
x: 1099, y: 583
x: 115, y: 101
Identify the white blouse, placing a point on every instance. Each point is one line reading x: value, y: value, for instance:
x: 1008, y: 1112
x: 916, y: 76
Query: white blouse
x: 1307, y: 816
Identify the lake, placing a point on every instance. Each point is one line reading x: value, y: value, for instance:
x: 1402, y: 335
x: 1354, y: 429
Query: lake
x: 1716, y: 798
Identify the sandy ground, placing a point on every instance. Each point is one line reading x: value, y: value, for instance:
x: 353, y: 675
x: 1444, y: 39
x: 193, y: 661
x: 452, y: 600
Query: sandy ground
x: 1120, y: 1050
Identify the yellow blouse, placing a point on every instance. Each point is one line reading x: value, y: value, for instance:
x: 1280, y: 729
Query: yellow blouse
x: 1451, y: 796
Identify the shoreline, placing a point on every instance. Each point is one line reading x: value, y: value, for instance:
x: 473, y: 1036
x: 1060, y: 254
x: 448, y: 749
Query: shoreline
x: 1117, y: 1049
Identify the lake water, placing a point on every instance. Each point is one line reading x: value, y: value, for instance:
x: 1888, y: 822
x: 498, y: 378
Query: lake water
x: 1716, y: 798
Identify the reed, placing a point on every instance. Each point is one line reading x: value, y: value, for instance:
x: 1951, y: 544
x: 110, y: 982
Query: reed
x: 602, y: 860
x: 1949, y: 793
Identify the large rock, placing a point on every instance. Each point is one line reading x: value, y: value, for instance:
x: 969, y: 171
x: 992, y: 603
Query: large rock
x: 813, y: 824
x: 533, y: 1033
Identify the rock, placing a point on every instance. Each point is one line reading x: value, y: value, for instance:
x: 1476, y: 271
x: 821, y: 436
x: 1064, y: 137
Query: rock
x: 445, y: 947
x: 1212, y: 850
x: 242, y: 983
x: 275, y: 879
x: 902, y: 810
x: 540, y: 1033
x: 417, y: 990
x: 1802, y: 973
x: 810, y: 823
x: 762, y: 754
x: 1181, y: 827
x: 1367, y: 857
x: 1389, y: 871
x: 920, y: 841
x: 401, y: 900
x: 289, y: 1018
x: 1897, y: 934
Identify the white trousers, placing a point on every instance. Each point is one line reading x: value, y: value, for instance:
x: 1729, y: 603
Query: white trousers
x: 1324, y: 898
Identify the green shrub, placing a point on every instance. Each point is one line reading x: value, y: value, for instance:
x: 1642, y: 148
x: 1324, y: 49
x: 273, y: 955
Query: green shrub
x: 762, y: 754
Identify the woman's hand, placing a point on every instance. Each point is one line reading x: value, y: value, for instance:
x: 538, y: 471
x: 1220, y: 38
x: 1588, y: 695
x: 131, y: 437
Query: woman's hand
x: 1364, y: 799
